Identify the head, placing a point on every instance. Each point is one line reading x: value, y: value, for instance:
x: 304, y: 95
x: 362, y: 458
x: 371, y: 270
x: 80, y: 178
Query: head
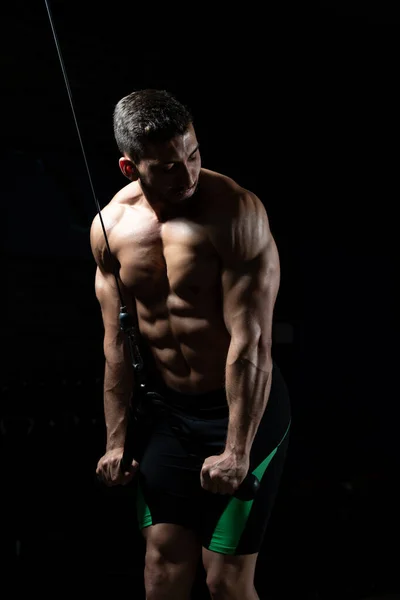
x: 155, y: 135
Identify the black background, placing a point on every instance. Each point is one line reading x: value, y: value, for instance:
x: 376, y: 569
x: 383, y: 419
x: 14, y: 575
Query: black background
x: 301, y: 108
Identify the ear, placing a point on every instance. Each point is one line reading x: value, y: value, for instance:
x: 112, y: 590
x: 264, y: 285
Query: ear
x: 128, y: 169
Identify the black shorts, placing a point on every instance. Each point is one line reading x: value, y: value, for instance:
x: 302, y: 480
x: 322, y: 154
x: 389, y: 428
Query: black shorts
x: 188, y: 428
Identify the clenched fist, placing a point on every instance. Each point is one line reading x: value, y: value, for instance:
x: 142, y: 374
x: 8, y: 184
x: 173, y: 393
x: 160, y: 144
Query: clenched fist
x: 109, y: 469
x: 224, y: 473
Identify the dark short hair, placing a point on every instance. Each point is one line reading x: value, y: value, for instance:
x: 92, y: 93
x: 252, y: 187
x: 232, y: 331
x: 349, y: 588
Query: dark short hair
x: 148, y: 116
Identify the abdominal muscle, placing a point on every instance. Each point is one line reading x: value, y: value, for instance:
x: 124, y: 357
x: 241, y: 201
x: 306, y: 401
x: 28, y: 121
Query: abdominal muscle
x: 189, y: 350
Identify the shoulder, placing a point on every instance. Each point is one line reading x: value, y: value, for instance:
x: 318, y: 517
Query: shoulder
x: 216, y: 185
x: 238, y: 224
x: 112, y: 215
x: 229, y: 200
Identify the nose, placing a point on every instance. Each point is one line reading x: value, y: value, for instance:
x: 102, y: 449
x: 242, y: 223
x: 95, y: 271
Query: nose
x: 187, y: 177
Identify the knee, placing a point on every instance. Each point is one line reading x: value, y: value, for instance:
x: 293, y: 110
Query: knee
x: 157, y: 573
x: 222, y: 586
x: 229, y: 584
x: 164, y: 577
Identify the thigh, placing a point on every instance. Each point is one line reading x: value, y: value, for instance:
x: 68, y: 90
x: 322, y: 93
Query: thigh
x: 168, y: 482
x: 174, y: 543
x: 237, y: 527
x: 172, y: 557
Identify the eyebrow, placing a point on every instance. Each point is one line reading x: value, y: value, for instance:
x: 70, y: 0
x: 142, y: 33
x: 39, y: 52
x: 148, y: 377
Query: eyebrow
x: 171, y: 162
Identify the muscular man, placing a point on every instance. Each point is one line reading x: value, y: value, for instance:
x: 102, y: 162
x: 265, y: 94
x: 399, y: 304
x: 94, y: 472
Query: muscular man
x: 197, y: 261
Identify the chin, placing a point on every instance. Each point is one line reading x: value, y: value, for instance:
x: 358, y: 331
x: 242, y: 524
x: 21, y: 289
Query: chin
x: 179, y: 197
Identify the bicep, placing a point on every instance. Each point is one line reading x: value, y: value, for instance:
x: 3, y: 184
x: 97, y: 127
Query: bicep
x: 250, y: 288
x: 107, y: 294
x: 110, y: 304
x: 250, y: 277
x: 108, y: 297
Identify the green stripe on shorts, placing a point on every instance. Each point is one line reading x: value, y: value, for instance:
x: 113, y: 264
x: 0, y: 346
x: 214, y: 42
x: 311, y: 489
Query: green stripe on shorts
x: 142, y: 510
x: 232, y: 522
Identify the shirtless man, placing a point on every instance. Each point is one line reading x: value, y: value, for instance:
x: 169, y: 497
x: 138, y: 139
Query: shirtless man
x: 198, y: 263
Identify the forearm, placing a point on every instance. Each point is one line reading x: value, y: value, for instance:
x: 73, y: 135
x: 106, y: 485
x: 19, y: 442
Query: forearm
x: 118, y: 388
x: 248, y: 384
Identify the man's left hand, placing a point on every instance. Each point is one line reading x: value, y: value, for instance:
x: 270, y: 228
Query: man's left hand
x: 223, y: 474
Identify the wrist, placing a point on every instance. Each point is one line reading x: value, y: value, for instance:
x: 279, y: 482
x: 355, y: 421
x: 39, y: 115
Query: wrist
x: 115, y: 442
x: 238, y: 450
x: 114, y: 446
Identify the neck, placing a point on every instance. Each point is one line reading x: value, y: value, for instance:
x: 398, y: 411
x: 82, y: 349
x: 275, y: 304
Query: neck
x: 165, y: 211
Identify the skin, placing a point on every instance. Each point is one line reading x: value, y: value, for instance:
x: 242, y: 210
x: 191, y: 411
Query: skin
x: 197, y: 257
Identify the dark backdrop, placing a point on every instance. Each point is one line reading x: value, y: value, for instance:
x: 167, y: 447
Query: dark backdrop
x: 303, y: 110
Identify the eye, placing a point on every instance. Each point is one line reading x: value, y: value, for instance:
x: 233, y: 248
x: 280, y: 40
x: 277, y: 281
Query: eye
x: 167, y: 168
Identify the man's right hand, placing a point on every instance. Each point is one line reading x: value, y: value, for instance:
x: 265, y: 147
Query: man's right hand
x: 109, y: 470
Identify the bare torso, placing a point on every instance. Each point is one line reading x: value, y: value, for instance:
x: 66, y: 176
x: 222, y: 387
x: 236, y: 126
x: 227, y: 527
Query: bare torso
x: 172, y: 271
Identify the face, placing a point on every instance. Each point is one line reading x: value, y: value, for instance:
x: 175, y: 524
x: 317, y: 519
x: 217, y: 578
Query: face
x: 170, y: 171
